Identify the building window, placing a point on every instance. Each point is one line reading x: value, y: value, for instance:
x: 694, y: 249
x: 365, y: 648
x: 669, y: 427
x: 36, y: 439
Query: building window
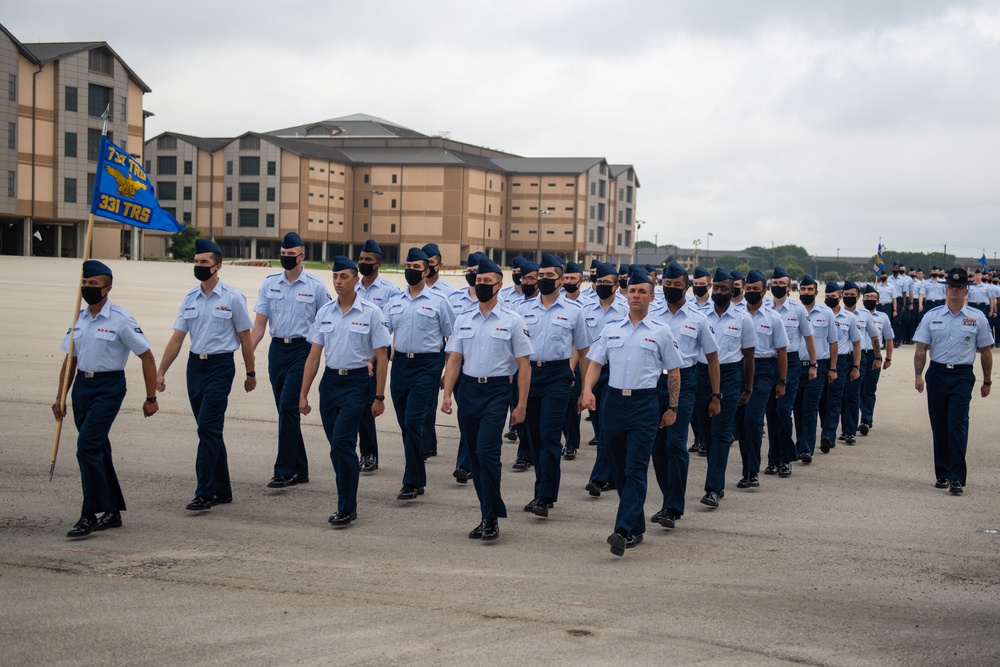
x: 550, y: 208
x: 98, y: 99
x: 93, y: 144
x: 364, y: 227
x: 187, y: 193
x: 364, y: 203
x: 249, y: 166
x: 628, y: 216
x: 394, y: 178
x: 533, y: 208
x: 489, y: 208
x: 187, y: 217
x: 600, y: 212
x: 229, y: 193
x: 166, y: 165
x: 102, y: 61
x: 392, y: 204
x: 11, y: 176
x: 250, y: 143
x: 489, y: 233
x: 188, y: 167
x: 621, y: 194
x: 12, y: 135
x: 12, y: 87
x: 534, y: 185
x: 592, y: 216
x: 628, y: 194
x: 270, y: 194
x: 601, y: 188
x: 491, y: 184
x: 552, y: 185
x: 70, y: 98
x: 569, y: 208
x: 591, y: 235
x: 515, y: 208
x: 366, y: 178
x: 621, y: 216
x: 392, y: 228
x: 229, y: 167
x: 600, y: 234
x: 604, y: 168
x: 272, y: 168
x: 166, y: 190
x: 593, y: 188
x: 229, y: 219
x: 249, y: 217
x: 90, y: 188
x: 124, y: 109
x: 249, y: 191
x: 166, y: 143
x: 69, y: 190
x: 269, y: 220
x: 123, y: 145
x: 149, y: 166
x: 628, y: 238
x: 171, y: 210
x: 69, y: 144
x: 619, y: 239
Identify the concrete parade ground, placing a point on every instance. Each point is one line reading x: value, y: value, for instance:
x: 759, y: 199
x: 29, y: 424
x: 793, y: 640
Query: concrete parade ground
x: 855, y: 559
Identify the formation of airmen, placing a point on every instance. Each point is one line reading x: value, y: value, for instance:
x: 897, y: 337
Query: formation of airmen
x: 650, y: 365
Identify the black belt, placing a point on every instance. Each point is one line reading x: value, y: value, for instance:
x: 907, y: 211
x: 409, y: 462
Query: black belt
x: 555, y: 362
x: 632, y: 392
x: 100, y: 374
x: 416, y: 355
x: 734, y: 364
x: 347, y: 371
x: 963, y: 367
x: 205, y: 357
x: 288, y: 341
x: 499, y: 379
x: 765, y: 358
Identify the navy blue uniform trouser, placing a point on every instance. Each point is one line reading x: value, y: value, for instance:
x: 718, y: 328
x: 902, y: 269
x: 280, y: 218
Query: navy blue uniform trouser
x: 630, y: 424
x: 430, y: 430
x: 949, y: 392
x: 209, y: 382
x: 482, y: 413
x: 764, y: 376
x: 833, y: 398
x: 670, y: 454
x: 601, y: 472
x: 343, y: 399
x: 851, y: 409
x: 96, y: 402
x: 807, y: 401
x: 718, y: 430
x: 367, y: 435
x: 571, y: 425
x: 413, y: 384
x: 780, y: 433
x: 869, y: 386
x: 546, y: 413
x: 523, y: 434
x: 897, y: 321
x: 285, y: 363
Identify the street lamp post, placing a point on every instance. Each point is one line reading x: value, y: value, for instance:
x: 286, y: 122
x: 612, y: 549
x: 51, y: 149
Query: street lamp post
x: 635, y: 245
x: 371, y: 211
x: 708, y: 242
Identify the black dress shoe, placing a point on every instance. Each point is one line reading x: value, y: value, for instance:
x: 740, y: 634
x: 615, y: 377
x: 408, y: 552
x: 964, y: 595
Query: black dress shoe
x: 701, y: 449
x: 569, y: 454
x: 511, y: 435
x: 850, y: 440
x: 491, y: 530
x: 785, y: 470
x: 277, y: 482
x: 805, y: 457
x: 530, y: 507
x: 199, y: 504
x: 956, y: 487
x: 744, y: 483
x: 297, y: 479
x: 541, y: 508
x: 754, y: 481
x: 843, y: 436
x: 593, y: 441
x: 664, y: 517
x: 342, y: 518
x: 109, y: 520
x: 406, y: 493
x: 632, y: 541
x: 942, y: 483
x: 863, y: 428
x: 85, y: 526
x: 825, y: 445
x: 369, y: 463
x: 221, y: 500
x: 431, y: 452
x: 693, y: 448
x: 593, y: 488
x: 520, y: 465
x: 617, y: 542
x: 419, y: 490
x: 477, y: 532
x: 771, y: 470
x: 711, y: 499
x: 461, y: 475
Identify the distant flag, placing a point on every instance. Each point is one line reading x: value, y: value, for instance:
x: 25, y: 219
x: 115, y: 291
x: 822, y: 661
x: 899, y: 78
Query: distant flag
x: 124, y: 193
x: 37, y: 235
x: 982, y: 262
x: 879, y: 264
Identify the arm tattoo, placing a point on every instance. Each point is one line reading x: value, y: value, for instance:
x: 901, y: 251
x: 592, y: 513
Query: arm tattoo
x: 674, y: 387
x: 920, y: 358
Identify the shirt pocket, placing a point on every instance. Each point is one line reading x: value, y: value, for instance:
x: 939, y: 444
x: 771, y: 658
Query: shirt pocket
x: 325, y: 327
x: 937, y: 326
x: 427, y: 311
x: 500, y: 334
x: 305, y: 303
x: 690, y: 332
x: 190, y: 313
x: 614, y: 341
x: 222, y: 314
x: 733, y: 332
x: 395, y: 309
x: 359, y: 328
x: 105, y: 335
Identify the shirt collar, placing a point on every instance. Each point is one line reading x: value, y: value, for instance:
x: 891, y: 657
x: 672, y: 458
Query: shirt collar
x: 217, y: 290
x: 105, y: 310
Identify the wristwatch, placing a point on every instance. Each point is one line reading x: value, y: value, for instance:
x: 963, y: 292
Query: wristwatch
x: 251, y: 374
x: 718, y: 396
x: 856, y: 367
x: 814, y: 365
x: 380, y: 398
x: 674, y: 407
x: 151, y: 399
x: 782, y: 381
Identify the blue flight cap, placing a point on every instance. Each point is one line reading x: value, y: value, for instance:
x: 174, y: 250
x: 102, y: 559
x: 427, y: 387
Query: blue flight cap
x: 204, y: 245
x: 623, y: 270
x: 807, y: 280
x: 594, y: 263
x: 292, y: 240
x: 416, y: 255
x: 573, y: 267
x: 487, y: 265
x: 850, y: 284
x: 371, y: 246
x: 92, y: 268
x: 341, y: 263
x: 755, y: 276
x: 673, y: 271
x: 779, y: 273
x: 832, y: 286
x: 869, y: 290
x: 639, y: 276
x: 738, y: 275
x: 431, y: 249
x: 701, y: 272
x: 604, y: 269
x: 550, y: 262
x: 721, y: 275
x: 517, y: 262
x: 474, y: 258
x: 650, y: 268
x: 528, y: 267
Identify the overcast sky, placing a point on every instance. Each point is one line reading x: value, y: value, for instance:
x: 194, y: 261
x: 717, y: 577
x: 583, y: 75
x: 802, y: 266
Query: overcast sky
x: 826, y: 124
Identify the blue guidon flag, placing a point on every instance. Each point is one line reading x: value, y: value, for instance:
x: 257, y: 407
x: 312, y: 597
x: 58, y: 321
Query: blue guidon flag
x: 123, y: 192
x: 879, y: 264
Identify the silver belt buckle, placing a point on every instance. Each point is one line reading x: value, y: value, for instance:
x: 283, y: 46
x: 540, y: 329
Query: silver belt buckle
x: 482, y: 380
x: 203, y: 356
x: 88, y: 374
x: 341, y: 371
x: 408, y: 355
x: 539, y: 363
x: 287, y: 340
x: 626, y: 392
x: 951, y: 366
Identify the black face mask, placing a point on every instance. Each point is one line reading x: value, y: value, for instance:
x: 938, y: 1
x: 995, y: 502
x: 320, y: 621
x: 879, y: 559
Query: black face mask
x: 673, y: 294
x: 753, y: 298
x: 831, y: 302
x: 431, y: 271
x: 722, y: 300
x: 571, y: 288
x: 528, y: 290
x: 484, y: 292
x: 604, y: 291
x: 779, y: 291
x: 546, y: 285
x: 700, y: 290
x: 850, y: 301
x: 736, y: 292
x: 92, y: 295
x: 895, y: 274
x: 203, y: 273
x: 883, y: 278
x: 807, y: 299
x: 870, y: 304
x: 413, y: 276
x: 289, y: 262
x: 516, y: 277
x: 366, y: 269
x: 470, y: 277
x: 623, y: 283
x: 592, y: 277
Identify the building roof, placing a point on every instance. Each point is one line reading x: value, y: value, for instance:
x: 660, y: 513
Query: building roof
x: 617, y: 169
x: 46, y: 51
x: 546, y: 165
x: 354, y: 126
x: 20, y: 47
x: 206, y: 143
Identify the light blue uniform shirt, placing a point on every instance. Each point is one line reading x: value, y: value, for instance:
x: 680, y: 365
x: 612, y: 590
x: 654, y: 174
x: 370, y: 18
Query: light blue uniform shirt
x: 102, y: 343
x: 770, y: 330
x: 419, y: 324
x: 507, y: 293
x: 692, y: 334
x: 595, y: 317
x: 824, y: 331
x: 490, y: 346
x: 637, y: 355
x: 919, y: 289
x: 978, y: 294
x: 460, y: 301
x: 934, y: 290
x: 954, y: 339
x: 704, y: 308
x: 443, y: 288
x: 378, y: 292
x: 734, y: 332
x: 290, y: 308
x: 797, y: 325
x: 886, y: 292
x: 884, y: 326
x: 866, y: 327
x: 214, y: 320
x: 847, y: 331
x: 555, y: 330
x: 350, y: 338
